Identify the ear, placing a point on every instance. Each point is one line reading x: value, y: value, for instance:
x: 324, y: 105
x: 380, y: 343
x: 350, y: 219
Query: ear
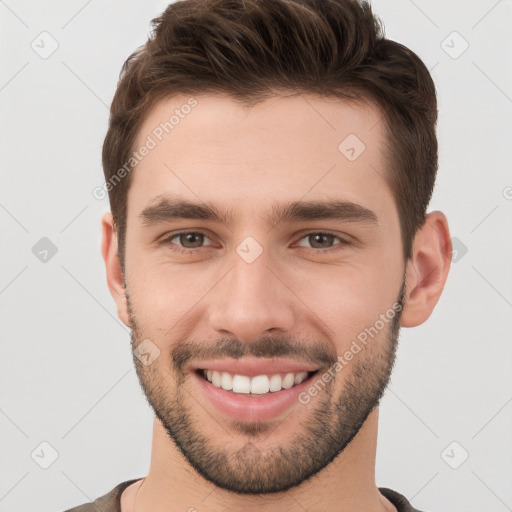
x: 427, y: 269
x: 115, y: 278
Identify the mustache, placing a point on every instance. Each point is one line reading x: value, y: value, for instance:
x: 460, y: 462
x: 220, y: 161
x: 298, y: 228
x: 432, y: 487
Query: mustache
x: 266, y: 347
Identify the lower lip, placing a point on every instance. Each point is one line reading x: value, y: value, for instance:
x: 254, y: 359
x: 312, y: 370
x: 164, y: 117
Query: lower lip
x: 251, y: 409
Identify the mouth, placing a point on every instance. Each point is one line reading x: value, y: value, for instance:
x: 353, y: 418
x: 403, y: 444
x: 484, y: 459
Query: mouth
x: 250, y: 391
x: 258, y: 385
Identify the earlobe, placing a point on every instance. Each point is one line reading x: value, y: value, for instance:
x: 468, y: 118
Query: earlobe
x: 115, y: 277
x: 427, y: 269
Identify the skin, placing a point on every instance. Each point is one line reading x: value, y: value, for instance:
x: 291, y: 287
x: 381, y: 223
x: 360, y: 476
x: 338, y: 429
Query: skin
x: 245, y: 160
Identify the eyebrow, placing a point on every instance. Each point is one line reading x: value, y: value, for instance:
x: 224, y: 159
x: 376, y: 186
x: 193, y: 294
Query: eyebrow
x: 167, y: 208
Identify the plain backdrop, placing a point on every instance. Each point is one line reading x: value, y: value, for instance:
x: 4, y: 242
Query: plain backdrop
x: 66, y: 373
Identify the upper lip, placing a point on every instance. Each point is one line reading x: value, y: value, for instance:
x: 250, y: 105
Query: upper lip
x: 253, y: 366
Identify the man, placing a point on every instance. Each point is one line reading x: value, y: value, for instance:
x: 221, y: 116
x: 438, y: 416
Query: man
x: 269, y: 164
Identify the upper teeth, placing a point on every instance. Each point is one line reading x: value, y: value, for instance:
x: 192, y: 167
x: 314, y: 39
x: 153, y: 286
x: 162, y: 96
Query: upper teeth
x: 258, y: 385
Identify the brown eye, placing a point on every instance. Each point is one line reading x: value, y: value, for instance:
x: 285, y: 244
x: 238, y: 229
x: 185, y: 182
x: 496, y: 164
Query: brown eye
x: 191, y: 240
x: 187, y: 241
x: 321, y: 240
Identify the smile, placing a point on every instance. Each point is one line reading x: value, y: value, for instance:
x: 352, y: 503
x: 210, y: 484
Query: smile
x: 251, y: 389
x: 257, y: 385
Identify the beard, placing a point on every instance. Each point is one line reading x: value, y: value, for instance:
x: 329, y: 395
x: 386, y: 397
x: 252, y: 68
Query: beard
x: 330, y: 424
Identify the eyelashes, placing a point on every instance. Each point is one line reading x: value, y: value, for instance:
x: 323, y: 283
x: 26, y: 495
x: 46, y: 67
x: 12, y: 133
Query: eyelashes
x: 169, y: 242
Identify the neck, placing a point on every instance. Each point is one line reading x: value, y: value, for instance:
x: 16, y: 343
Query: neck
x: 348, y: 483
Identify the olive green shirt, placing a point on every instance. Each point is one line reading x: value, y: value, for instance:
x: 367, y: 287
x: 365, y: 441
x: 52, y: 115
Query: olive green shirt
x: 111, y: 502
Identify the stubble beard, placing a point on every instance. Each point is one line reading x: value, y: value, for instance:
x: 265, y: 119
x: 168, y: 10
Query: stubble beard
x: 329, y: 426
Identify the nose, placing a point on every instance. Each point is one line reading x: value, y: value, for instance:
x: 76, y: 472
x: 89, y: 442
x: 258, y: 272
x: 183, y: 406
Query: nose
x: 252, y: 301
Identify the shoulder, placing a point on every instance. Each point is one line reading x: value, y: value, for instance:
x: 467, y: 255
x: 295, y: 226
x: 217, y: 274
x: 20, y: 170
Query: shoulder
x: 110, y: 502
x: 399, y: 501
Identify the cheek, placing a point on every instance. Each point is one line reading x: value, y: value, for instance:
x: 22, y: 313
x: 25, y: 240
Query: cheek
x: 340, y: 300
x: 163, y: 294
x: 350, y: 299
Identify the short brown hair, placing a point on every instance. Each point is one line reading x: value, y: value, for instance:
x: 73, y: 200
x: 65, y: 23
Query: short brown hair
x: 252, y: 48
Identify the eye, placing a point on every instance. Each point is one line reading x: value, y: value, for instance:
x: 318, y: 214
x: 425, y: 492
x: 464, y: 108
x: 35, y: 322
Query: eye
x: 186, y: 241
x: 323, y: 242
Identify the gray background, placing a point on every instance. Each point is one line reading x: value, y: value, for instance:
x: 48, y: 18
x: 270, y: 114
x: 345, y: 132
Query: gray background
x: 66, y: 375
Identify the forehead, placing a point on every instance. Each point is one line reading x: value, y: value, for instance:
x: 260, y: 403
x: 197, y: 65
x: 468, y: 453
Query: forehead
x: 211, y: 147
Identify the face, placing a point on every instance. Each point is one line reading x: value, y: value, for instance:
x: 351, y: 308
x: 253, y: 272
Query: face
x: 264, y: 279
